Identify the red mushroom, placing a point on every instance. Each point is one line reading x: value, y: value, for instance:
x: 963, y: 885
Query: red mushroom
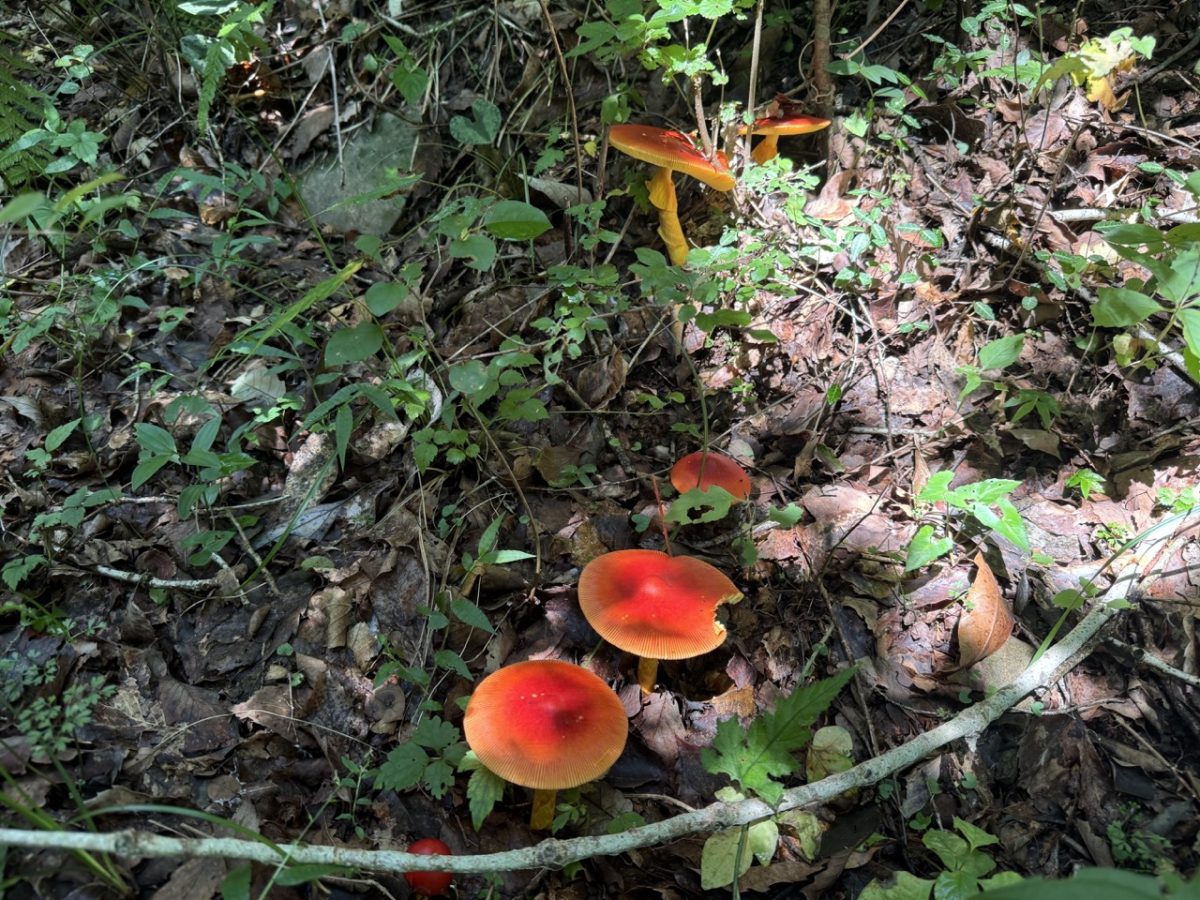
x: 655, y: 605
x: 424, y: 883
x: 707, y: 468
x: 773, y: 127
x: 546, y: 725
x: 671, y: 152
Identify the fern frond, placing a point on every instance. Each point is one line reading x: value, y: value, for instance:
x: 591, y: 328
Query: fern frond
x: 20, y: 112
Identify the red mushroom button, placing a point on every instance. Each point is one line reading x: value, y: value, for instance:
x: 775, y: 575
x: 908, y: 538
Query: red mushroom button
x: 655, y: 605
x: 706, y: 468
x: 670, y: 151
x: 546, y: 725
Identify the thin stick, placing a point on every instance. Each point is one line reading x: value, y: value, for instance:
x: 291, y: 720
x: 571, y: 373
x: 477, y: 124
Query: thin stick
x: 662, y: 515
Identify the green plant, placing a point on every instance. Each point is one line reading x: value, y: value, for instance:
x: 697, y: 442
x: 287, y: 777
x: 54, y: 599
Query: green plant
x: 1087, y: 482
x: 963, y: 864
x: 986, y: 502
x: 236, y: 40
x: 1171, y: 296
x: 1134, y: 847
x: 427, y: 757
x: 755, y: 759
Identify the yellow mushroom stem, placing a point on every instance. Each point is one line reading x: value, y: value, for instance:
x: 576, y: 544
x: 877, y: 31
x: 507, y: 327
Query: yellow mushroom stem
x: 767, y: 148
x: 647, y: 673
x: 542, y: 816
x: 662, y: 197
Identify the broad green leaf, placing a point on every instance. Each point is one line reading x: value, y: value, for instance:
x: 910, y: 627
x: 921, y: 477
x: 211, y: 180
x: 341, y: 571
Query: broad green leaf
x: 925, y: 548
x: 1002, y: 352
x: 1182, y: 281
x: 906, y: 887
x: 1086, y: 884
x: 976, y: 837
x: 955, y: 886
x: 154, y: 440
x: 351, y: 345
x: 58, y: 436
x: 937, y: 488
x: 438, y: 778
x: 470, y: 614
x: 1132, y: 236
x: 146, y: 469
x: 719, y: 855
x: 503, y: 557
x: 478, y: 248
x: 1190, y: 320
x: 434, y: 733
x: 697, y: 506
x: 950, y: 848
x: 787, y: 516
x: 484, y: 789
x: 21, y: 206
x: 1121, y: 307
x: 384, y: 296
x: 403, y: 768
x: 411, y: 82
x: 236, y: 885
x: 469, y: 378
x: 513, y: 220
x: 304, y: 873
x: 482, y: 128
x: 829, y: 753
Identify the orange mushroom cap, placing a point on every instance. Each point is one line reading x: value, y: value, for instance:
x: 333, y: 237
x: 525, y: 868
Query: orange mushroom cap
x: 546, y: 724
x: 654, y: 605
x: 718, y: 470
x: 786, y: 125
x: 671, y: 150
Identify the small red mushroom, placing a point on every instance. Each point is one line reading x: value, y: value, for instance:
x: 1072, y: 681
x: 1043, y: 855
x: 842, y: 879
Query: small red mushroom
x: 428, y: 884
x: 655, y: 605
x: 547, y: 725
x: 707, y: 468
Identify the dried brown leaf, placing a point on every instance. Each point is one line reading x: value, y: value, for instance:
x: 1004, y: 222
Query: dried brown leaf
x: 986, y: 621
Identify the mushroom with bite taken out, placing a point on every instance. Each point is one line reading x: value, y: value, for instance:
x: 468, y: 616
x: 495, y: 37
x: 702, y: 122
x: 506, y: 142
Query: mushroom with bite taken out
x: 547, y: 725
x: 655, y: 605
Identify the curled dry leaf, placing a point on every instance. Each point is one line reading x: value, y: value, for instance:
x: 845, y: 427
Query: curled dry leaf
x: 986, y: 621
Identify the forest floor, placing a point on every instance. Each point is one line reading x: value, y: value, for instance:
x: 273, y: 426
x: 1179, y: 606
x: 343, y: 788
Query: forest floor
x: 279, y: 491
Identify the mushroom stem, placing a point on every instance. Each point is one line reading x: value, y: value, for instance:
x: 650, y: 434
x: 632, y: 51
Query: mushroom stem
x: 662, y: 196
x: 647, y: 673
x: 542, y: 816
x: 767, y: 148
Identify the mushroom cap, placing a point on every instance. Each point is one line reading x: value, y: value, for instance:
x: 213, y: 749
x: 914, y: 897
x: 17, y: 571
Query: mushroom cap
x: 785, y: 125
x: 718, y: 470
x: 671, y: 150
x: 654, y: 605
x: 546, y: 724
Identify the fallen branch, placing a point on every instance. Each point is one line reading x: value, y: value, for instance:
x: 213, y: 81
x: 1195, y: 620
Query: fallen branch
x: 554, y: 853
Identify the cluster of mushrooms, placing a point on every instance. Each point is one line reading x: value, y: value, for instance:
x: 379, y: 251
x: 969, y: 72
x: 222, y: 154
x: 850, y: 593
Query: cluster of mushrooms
x: 673, y: 151
x: 551, y: 725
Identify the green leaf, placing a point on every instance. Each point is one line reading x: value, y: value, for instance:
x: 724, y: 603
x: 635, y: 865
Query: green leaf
x: 153, y: 440
x: 58, y: 436
x: 448, y: 659
x: 146, y: 469
x: 1086, y: 884
x: 343, y: 426
x: 955, y: 886
x: 351, y: 345
x: 1182, y: 280
x: 1119, y: 307
x: 720, y: 853
x: 925, y: 548
x: 753, y: 758
x: 307, y: 872
x: 482, y: 128
x: 470, y: 614
x: 236, y: 885
x: 949, y: 847
x: 787, y: 516
x: 1002, y: 352
x: 1190, y: 320
x: 21, y: 206
x: 478, y: 248
x: 384, y: 296
x: 483, y: 791
x: 17, y: 570
x: 501, y: 557
x: 411, y: 82
x: 438, y: 778
x: 403, y: 768
x: 713, y: 505
x: 937, y: 488
x: 976, y: 837
x: 513, y: 220
x: 906, y: 887
x: 435, y: 734
x: 469, y: 378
